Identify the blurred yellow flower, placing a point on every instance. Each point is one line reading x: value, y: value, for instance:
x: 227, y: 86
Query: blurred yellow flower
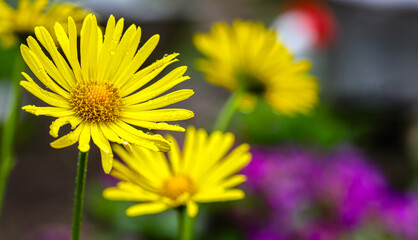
x: 247, y: 56
x: 29, y: 14
x: 203, y: 172
x: 104, y: 94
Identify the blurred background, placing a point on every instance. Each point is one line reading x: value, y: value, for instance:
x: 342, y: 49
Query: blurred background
x: 349, y: 170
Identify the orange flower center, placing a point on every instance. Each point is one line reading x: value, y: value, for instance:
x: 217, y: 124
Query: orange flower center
x: 177, y: 185
x: 96, y: 102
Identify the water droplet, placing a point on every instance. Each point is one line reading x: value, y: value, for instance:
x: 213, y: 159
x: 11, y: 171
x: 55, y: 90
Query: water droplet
x: 165, y: 55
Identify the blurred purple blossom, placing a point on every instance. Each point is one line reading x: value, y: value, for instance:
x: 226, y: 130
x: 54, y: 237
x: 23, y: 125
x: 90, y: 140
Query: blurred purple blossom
x: 325, y: 198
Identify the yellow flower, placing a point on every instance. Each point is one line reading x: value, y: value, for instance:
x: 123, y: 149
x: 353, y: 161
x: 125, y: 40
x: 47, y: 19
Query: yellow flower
x: 247, y: 56
x: 104, y: 94
x: 29, y: 14
x: 202, y: 173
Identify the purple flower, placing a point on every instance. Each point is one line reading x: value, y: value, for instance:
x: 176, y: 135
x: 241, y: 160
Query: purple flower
x: 311, y: 197
x: 400, y: 215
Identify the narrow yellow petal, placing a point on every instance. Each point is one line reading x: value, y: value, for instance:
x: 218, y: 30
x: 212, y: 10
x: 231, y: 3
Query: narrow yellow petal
x: 146, y: 208
x: 48, y: 65
x: 58, y: 123
x: 167, y: 114
x: 46, y: 40
x: 48, y: 111
x: 84, y: 141
x: 107, y: 160
x: 138, y: 60
x: 73, y: 50
x: 138, y: 163
x: 188, y: 148
x: 192, y: 209
x: 161, y: 86
x: 36, y: 67
x: 233, y: 181
x: 48, y: 97
x: 174, y: 154
x: 68, y: 139
x: 99, y: 139
x: 234, y: 194
x: 119, y: 53
x: 163, y: 101
x: 138, y: 136
x: 118, y: 194
x: 112, y: 136
x: 145, y: 75
x: 123, y: 73
x: 153, y: 125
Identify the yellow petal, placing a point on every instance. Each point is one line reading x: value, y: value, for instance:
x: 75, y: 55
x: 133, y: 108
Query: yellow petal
x: 174, y: 154
x: 99, y: 139
x: 146, y: 208
x: 168, y: 114
x: 153, y: 125
x: 145, y: 75
x: 234, y: 194
x: 140, y: 137
x: 48, y: 111
x: 233, y: 181
x: 84, y: 141
x: 58, y: 123
x: 48, y: 97
x: 192, y: 209
x: 46, y: 40
x: 68, y: 139
x: 163, y: 101
x: 35, y: 65
x: 107, y: 160
x: 118, y: 194
x: 73, y: 50
x: 161, y: 86
x: 138, y: 60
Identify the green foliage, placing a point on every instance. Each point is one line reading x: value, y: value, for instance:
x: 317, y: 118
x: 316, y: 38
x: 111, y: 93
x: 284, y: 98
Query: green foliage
x: 321, y: 126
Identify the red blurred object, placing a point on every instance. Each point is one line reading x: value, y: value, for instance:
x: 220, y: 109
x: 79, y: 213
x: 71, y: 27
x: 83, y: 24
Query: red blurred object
x: 320, y: 19
x: 305, y: 25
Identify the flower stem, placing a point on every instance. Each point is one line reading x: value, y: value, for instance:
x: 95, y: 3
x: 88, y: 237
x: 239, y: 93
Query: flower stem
x: 185, y: 224
x: 9, y: 128
x: 79, y: 194
x: 228, y: 111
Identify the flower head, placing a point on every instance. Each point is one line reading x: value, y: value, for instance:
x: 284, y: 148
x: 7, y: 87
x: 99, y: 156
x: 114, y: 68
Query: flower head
x: 203, y: 172
x: 104, y: 94
x: 32, y: 13
x: 247, y: 56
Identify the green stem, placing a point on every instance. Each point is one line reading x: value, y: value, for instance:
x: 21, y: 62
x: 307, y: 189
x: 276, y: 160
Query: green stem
x: 185, y: 224
x: 228, y: 110
x: 9, y: 128
x: 79, y: 194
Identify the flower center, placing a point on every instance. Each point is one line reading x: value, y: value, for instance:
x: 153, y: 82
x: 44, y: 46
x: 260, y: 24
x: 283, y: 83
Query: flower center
x: 177, y: 185
x: 251, y: 83
x: 96, y: 102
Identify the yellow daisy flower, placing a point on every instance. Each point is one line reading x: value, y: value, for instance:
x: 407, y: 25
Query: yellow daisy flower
x: 104, y: 94
x: 202, y: 173
x: 247, y: 56
x: 29, y: 14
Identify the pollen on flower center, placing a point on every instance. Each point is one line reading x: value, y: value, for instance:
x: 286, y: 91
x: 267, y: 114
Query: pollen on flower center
x: 96, y: 102
x: 178, y: 185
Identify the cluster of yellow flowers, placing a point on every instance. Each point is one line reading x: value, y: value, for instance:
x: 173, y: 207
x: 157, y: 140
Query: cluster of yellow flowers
x: 96, y: 83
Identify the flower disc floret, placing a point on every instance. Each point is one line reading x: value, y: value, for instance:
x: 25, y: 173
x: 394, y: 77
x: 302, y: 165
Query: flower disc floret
x: 177, y: 185
x: 96, y: 102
